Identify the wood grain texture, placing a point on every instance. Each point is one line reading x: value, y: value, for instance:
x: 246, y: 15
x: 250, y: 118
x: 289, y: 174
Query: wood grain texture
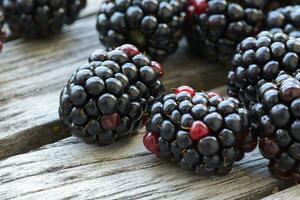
x: 32, y: 74
x: 292, y: 193
x: 70, y: 169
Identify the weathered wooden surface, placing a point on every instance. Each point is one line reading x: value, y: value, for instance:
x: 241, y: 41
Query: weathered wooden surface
x: 292, y: 193
x: 32, y: 74
x: 28, y: 109
x: 71, y: 169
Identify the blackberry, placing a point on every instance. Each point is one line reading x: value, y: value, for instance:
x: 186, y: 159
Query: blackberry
x: 277, y: 118
x: 2, y: 33
x: 286, y: 19
x: 155, y: 26
x: 108, y: 97
x: 215, y: 27
x: 36, y: 18
x: 260, y: 59
x: 202, y: 132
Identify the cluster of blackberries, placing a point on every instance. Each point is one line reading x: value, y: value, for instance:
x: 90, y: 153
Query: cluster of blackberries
x: 202, y: 132
x: 155, y: 26
x: 265, y: 77
x: 286, y: 19
x: 260, y: 59
x: 215, y: 27
x: 119, y: 90
x: 36, y: 18
x: 108, y: 97
x: 277, y: 118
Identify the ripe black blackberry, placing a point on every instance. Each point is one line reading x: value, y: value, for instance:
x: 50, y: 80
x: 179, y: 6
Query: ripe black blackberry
x: 259, y: 59
x: 108, y: 97
x: 286, y: 19
x: 2, y: 34
x: 277, y: 118
x: 154, y: 26
x: 202, y: 132
x: 36, y: 18
x: 215, y: 27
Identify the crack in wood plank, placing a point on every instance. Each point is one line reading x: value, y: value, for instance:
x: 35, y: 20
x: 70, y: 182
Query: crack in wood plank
x: 292, y: 193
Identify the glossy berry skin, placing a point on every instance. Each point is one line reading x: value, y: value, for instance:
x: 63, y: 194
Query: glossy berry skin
x: 278, y: 126
x: 187, y: 89
x: 285, y: 19
x: 197, y: 7
x: 198, y: 130
x: 109, y: 97
x: 189, y: 132
x: 38, y: 18
x: 260, y: 59
x: 155, y: 26
x: 215, y: 27
x: 150, y: 141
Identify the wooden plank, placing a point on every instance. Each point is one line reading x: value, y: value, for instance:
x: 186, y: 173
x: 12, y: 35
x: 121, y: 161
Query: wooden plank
x: 91, y: 8
x: 125, y: 170
x: 32, y: 74
x: 292, y: 193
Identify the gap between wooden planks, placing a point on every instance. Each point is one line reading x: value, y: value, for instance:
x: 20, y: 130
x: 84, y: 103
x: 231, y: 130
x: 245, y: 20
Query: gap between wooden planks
x: 32, y: 74
x: 29, y: 80
x: 124, y: 170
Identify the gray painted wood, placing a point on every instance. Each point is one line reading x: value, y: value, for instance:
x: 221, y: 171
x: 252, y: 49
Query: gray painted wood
x: 70, y: 169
